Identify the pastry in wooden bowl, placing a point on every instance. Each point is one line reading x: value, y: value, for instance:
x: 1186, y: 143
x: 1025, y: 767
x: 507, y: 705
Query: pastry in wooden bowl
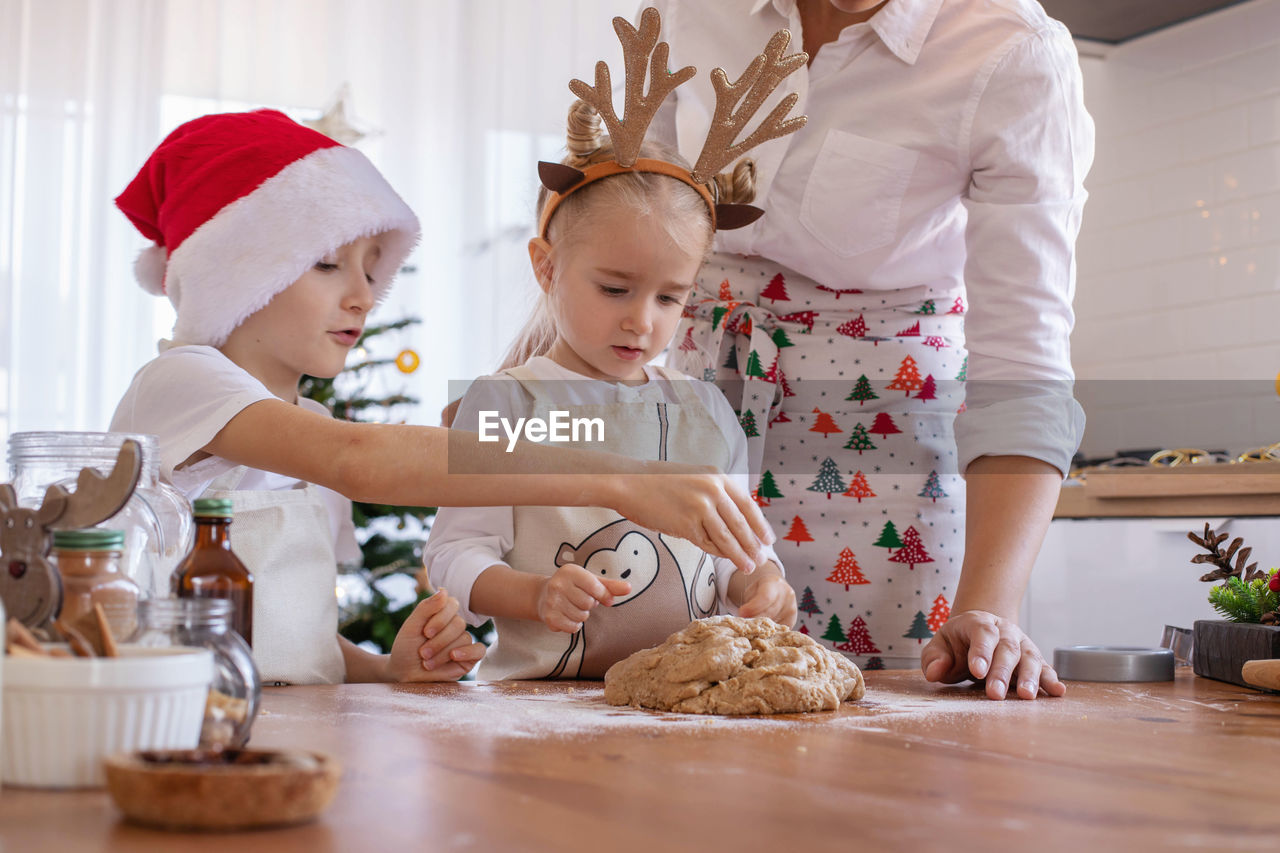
x: 224, y: 790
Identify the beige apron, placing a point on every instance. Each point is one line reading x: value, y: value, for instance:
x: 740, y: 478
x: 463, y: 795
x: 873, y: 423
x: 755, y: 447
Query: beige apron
x: 285, y: 539
x: 672, y: 580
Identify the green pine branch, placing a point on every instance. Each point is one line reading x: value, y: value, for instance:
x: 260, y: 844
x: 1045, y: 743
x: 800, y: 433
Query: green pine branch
x: 1238, y: 601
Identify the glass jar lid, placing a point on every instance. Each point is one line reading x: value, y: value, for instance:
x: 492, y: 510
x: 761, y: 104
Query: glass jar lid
x: 185, y: 612
x: 88, y: 539
x: 212, y: 507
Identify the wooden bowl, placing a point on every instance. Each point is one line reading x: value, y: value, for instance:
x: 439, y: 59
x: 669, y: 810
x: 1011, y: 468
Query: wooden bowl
x: 227, y: 790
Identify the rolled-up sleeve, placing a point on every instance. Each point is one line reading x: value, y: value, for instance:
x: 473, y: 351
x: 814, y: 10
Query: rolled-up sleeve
x: 1031, y: 144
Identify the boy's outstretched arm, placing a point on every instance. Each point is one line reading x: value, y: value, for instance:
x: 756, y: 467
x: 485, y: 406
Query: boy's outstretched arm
x: 424, y: 466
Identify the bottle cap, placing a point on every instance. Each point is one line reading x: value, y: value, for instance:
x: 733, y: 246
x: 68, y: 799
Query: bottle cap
x: 212, y: 507
x: 88, y: 539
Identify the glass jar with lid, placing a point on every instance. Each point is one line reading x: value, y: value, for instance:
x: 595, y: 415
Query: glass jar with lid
x: 236, y: 690
x: 157, y: 519
x: 89, y: 565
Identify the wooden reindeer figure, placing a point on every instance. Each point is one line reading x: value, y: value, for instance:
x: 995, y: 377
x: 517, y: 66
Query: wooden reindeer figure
x: 29, y: 584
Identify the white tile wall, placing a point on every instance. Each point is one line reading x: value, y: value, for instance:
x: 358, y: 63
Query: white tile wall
x: 1177, y: 339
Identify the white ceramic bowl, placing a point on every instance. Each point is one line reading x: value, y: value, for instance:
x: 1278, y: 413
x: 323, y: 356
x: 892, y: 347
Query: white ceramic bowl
x: 62, y: 716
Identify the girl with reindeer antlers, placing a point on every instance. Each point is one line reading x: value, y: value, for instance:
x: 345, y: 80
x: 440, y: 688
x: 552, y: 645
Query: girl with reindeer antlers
x: 623, y: 227
x: 274, y: 242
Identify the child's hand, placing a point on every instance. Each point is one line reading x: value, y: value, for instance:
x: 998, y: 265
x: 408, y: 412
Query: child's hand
x: 567, y: 597
x: 769, y: 594
x: 433, y: 643
x: 699, y: 504
x: 976, y: 644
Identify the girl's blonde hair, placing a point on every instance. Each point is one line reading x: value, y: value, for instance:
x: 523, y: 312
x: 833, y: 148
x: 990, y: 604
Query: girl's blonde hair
x: 674, y: 205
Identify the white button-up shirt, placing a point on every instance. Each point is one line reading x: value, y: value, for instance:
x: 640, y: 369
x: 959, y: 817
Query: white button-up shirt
x: 947, y: 145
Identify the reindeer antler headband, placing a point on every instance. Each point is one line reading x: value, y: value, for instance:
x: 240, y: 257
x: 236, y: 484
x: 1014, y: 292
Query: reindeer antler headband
x: 736, y: 104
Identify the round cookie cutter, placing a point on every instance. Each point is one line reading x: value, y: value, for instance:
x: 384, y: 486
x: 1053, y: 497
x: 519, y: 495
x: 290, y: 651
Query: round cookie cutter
x: 1113, y: 663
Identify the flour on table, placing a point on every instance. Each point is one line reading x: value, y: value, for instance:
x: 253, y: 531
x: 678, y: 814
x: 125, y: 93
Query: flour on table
x: 731, y: 665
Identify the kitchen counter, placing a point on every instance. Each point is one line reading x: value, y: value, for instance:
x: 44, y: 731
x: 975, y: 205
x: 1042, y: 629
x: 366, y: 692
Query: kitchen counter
x: 550, y: 766
x: 1152, y: 491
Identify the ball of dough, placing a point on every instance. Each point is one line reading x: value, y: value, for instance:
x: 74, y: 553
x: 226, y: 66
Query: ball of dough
x: 731, y: 665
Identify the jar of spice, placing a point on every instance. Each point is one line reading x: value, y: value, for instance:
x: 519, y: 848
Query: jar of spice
x: 89, y: 564
x: 206, y: 623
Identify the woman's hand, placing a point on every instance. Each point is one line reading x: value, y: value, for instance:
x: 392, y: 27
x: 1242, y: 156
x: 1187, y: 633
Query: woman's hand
x: 699, y: 504
x: 433, y: 643
x: 566, y: 599
x: 976, y: 644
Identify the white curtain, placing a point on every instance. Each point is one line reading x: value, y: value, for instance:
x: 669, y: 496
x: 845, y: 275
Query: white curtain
x: 464, y: 95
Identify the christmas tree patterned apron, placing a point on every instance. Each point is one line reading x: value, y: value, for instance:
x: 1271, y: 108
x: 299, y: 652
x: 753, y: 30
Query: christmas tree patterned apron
x: 848, y: 399
x: 672, y: 580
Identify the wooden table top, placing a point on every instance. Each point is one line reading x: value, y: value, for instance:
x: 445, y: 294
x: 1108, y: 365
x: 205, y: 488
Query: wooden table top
x: 550, y: 766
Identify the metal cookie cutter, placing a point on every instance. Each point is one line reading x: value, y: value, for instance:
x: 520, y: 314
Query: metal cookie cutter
x: 1113, y: 663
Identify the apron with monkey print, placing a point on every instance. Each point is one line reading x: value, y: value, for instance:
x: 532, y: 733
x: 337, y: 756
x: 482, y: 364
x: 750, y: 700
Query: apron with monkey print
x: 848, y: 399
x: 672, y: 580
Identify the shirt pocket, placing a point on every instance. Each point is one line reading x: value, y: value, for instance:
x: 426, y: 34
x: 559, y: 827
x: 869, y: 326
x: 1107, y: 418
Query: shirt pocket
x: 854, y: 196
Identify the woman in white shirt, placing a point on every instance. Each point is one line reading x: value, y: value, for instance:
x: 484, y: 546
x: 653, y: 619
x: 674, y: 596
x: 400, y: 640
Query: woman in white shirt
x: 917, y: 260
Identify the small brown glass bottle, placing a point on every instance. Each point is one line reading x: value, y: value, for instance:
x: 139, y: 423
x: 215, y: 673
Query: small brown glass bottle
x: 212, y: 570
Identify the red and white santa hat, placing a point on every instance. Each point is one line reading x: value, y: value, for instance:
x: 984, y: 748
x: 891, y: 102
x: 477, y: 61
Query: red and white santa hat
x: 240, y: 205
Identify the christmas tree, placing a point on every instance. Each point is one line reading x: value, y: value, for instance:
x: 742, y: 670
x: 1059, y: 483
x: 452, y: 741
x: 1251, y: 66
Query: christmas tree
x: 862, y: 391
x: 846, y: 571
x: 855, y: 328
x: 912, y: 550
x: 935, y: 341
x: 964, y: 369
x: 874, y: 663
x: 932, y: 488
x: 780, y: 339
x: 754, y: 368
x: 731, y: 361
x: 807, y: 603
x: 927, y: 308
x: 828, y: 479
x: 748, y: 421
x: 912, y: 331
x: 939, y: 615
x: 883, y: 425
x: 888, y: 537
x: 859, y: 639
x: 859, y: 488
x: 726, y: 295
x: 929, y: 390
x: 918, y: 631
x: 391, y: 536
x: 804, y: 318
x: 859, y: 440
x: 838, y: 290
x: 776, y: 290
x: 768, y: 488
x: 717, y: 314
x: 687, y: 345
x: 834, y: 632
x: 957, y: 307
x: 823, y: 423
x: 798, y: 532
x: 908, y: 378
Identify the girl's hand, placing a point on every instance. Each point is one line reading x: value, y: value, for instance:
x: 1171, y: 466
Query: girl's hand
x: 699, y: 504
x: 976, y: 644
x: 769, y: 595
x: 566, y: 598
x: 433, y: 643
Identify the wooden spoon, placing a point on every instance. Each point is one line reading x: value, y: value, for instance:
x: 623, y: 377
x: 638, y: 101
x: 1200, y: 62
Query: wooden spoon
x: 1263, y: 673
